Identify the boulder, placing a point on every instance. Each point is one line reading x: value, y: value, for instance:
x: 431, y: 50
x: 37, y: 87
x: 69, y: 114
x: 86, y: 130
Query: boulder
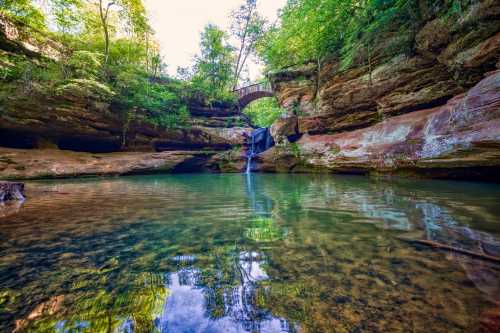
x: 230, y: 161
x: 11, y: 191
x: 284, y: 128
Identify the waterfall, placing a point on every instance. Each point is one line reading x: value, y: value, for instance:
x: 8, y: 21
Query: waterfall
x: 260, y: 141
x: 250, y: 154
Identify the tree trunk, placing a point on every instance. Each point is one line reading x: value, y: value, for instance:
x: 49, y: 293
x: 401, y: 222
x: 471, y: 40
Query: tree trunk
x: 237, y: 70
x: 104, y: 21
x: 241, y: 66
x: 106, y: 45
x: 147, y: 53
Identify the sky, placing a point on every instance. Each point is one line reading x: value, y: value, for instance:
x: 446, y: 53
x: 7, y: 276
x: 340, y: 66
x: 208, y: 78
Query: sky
x: 178, y: 24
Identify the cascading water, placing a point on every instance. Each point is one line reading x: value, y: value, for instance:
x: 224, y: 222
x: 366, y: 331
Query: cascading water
x: 250, y: 155
x: 260, y: 141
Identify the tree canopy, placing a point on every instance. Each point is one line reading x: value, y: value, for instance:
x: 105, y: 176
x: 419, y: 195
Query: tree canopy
x: 108, y: 50
x: 311, y: 30
x: 213, y: 68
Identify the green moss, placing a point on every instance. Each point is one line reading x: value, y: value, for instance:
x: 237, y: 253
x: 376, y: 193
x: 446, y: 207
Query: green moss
x: 294, y: 148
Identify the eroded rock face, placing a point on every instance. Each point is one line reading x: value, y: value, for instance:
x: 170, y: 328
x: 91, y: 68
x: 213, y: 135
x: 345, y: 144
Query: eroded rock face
x: 284, y: 129
x: 450, y: 57
x: 52, y: 163
x: 22, y: 38
x: 461, y: 137
x: 431, y: 111
x: 85, y: 124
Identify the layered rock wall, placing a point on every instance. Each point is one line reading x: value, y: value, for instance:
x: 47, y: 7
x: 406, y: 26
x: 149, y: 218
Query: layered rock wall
x: 449, y: 57
x: 81, y: 119
x: 460, y: 139
x: 429, y: 111
x: 87, y: 124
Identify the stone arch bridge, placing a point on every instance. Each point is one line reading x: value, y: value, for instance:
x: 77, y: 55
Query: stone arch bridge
x: 248, y: 94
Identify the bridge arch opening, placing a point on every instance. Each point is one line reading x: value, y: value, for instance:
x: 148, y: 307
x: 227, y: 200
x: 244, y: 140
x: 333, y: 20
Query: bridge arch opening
x: 263, y: 111
x: 247, y: 99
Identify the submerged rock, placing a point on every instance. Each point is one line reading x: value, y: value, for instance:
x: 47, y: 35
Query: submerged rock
x: 11, y: 191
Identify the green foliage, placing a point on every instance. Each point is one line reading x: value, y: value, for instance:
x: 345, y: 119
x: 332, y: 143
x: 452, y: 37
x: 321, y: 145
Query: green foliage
x: 128, y: 72
x: 213, y: 70
x: 172, y: 118
x: 108, y: 52
x: 247, y: 27
x: 23, y: 11
x: 312, y: 30
x: 28, y: 77
x: 162, y: 104
x: 85, y: 64
x: 295, y: 149
x: 66, y: 14
x: 85, y: 88
x: 264, y: 112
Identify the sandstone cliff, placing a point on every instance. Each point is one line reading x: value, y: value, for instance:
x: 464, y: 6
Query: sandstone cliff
x: 83, y: 123
x: 48, y: 132
x: 428, y: 111
x: 432, y: 111
x: 84, y: 117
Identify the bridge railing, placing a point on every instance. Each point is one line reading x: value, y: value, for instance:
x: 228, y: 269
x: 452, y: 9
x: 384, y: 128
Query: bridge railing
x: 263, y: 86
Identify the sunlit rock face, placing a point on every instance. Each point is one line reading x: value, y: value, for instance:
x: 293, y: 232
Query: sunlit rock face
x: 434, y: 111
x: 448, y: 59
x: 284, y: 129
x: 462, y: 136
x: 21, y: 38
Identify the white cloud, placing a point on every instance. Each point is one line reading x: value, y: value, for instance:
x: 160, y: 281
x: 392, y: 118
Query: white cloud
x: 178, y: 24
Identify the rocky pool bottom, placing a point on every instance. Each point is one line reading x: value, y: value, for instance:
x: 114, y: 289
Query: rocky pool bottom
x: 249, y: 253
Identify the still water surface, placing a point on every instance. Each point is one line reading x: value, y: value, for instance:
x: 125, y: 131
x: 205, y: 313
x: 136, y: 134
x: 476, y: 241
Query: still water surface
x: 249, y: 253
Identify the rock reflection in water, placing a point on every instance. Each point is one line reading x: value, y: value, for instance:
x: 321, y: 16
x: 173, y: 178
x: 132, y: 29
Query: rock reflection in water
x: 10, y: 208
x: 258, y: 253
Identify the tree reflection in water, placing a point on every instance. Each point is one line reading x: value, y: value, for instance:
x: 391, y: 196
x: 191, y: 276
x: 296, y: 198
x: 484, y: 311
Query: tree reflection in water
x: 194, y: 305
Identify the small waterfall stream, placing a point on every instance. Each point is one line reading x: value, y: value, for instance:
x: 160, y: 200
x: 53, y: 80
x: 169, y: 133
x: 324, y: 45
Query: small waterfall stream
x: 260, y: 141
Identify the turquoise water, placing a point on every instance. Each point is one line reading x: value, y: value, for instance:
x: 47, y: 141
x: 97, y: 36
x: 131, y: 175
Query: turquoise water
x: 257, y: 253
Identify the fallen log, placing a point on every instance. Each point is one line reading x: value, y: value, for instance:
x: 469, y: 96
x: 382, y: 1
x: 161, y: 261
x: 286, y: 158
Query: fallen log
x: 437, y: 245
